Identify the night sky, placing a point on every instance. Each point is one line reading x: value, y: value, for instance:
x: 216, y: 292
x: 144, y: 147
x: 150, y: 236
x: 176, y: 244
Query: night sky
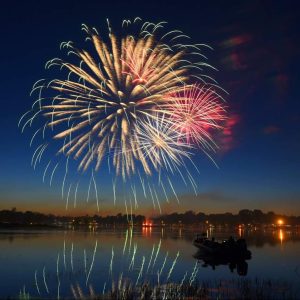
x: 256, y: 50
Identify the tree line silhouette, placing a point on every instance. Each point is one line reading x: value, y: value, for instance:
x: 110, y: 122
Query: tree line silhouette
x: 245, y: 216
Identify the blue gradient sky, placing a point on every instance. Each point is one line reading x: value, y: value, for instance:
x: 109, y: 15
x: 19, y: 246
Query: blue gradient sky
x: 256, y: 50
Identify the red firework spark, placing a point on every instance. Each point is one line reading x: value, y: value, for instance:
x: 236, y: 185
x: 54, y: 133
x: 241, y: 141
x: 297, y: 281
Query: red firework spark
x: 196, y: 111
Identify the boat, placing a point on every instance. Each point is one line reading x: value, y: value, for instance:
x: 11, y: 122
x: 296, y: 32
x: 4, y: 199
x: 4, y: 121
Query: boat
x: 227, y: 248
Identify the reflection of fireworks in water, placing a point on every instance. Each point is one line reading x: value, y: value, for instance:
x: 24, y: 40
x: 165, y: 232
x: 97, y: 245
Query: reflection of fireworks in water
x: 138, y: 269
x: 130, y: 102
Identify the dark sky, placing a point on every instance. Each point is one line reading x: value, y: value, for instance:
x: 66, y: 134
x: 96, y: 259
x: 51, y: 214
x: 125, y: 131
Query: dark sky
x: 256, y: 50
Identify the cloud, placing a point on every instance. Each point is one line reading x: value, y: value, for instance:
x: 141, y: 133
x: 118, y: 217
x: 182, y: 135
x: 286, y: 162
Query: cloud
x: 226, y: 138
x: 271, y: 129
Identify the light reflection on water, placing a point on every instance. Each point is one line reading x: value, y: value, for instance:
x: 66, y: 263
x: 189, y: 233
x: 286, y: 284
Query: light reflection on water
x: 146, y: 254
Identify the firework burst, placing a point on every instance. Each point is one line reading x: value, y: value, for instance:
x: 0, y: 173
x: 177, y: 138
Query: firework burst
x: 195, y: 112
x: 161, y: 144
x: 130, y: 99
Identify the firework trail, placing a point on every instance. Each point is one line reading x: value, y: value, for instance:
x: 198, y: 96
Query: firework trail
x: 44, y: 279
x: 57, y: 274
x: 138, y: 99
x: 92, y: 263
x: 36, y: 282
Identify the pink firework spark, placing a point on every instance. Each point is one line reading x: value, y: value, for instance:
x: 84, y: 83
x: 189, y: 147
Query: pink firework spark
x: 196, y: 111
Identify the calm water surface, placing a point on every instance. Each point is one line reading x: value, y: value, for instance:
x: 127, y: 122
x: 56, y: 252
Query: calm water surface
x: 49, y: 262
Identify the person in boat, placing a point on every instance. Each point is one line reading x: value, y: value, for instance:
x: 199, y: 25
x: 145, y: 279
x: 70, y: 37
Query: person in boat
x: 201, y: 237
x: 231, y: 240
